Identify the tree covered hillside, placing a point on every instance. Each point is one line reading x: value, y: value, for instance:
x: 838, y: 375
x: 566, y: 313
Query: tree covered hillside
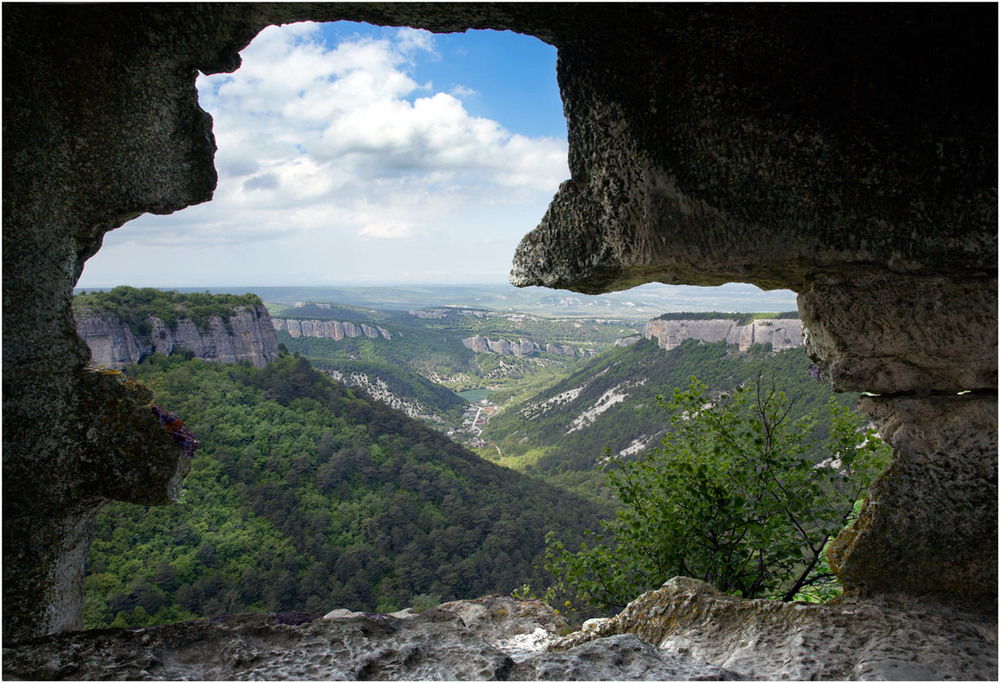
x: 304, y: 496
x: 610, y: 403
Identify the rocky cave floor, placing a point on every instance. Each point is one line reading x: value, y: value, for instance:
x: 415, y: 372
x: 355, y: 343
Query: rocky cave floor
x: 685, y: 631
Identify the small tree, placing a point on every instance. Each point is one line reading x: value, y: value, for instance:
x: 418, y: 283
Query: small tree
x: 738, y: 495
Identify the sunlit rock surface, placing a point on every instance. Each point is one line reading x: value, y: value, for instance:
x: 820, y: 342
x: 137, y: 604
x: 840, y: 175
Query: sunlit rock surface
x: 434, y: 645
x: 780, y: 334
x: 770, y: 640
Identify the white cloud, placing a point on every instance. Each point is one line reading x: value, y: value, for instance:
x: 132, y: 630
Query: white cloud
x: 345, y: 142
x: 386, y: 230
x: 411, y: 40
x: 460, y: 91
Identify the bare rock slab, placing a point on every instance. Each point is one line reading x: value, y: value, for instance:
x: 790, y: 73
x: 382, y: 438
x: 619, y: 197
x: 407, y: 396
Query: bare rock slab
x: 769, y: 640
x: 620, y: 657
x: 435, y: 645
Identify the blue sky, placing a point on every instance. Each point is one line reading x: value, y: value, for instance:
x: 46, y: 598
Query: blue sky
x: 357, y: 154
x: 513, y: 77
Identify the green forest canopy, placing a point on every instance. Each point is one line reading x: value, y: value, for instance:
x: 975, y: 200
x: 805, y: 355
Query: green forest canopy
x: 305, y: 496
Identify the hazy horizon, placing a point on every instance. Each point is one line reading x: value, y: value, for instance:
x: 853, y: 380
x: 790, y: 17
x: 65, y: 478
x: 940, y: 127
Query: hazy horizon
x: 647, y: 300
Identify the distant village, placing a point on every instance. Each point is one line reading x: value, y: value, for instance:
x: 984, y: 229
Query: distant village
x: 474, y: 420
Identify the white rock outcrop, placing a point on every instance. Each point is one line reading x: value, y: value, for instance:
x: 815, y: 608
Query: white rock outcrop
x: 328, y: 329
x: 781, y: 333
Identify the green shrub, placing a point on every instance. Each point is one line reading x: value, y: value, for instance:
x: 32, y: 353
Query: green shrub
x: 734, y: 496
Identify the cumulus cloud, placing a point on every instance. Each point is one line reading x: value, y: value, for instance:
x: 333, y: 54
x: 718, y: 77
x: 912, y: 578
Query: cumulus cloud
x: 460, y: 91
x: 346, y: 140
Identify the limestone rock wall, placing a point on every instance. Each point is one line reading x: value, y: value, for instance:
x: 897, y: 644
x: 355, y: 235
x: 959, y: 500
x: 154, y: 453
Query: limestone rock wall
x: 772, y: 640
x: 523, y: 347
x: 519, y: 348
x: 328, y: 329
x: 247, y: 335
x: 781, y: 334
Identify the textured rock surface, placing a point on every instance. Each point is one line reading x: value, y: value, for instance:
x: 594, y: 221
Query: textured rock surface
x: 870, y: 330
x: 111, y: 342
x: 247, y: 335
x: 618, y: 658
x: 765, y: 639
x: 434, y: 645
x: 508, y: 623
x: 517, y: 627
x: 781, y: 334
x: 755, y: 146
x: 769, y: 144
x: 929, y: 526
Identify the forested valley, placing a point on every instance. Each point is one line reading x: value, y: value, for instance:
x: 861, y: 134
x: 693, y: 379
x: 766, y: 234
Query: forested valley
x: 608, y: 406
x: 305, y: 496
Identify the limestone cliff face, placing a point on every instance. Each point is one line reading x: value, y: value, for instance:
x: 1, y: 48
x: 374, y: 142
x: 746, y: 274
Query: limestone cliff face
x: 781, y: 334
x: 247, y: 334
x: 521, y: 347
x: 328, y: 329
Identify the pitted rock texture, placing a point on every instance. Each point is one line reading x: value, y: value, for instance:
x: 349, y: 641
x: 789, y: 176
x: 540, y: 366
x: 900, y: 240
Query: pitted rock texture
x: 929, y: 525
x: 630, y: 659
x: 246, y: 335
x: 755, y: 146
x: 770, y: 640
x: 430, y: 646
x: 517, y: 627
x: 869, y: 330
x: 508, y: 623
x: 781, y: 334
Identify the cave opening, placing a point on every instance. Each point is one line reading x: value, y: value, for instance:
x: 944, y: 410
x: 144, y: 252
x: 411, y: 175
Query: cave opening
x: 356, y: 154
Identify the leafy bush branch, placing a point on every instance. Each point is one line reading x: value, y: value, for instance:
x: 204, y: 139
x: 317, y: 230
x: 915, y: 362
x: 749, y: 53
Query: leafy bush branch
x: 738, y: 495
